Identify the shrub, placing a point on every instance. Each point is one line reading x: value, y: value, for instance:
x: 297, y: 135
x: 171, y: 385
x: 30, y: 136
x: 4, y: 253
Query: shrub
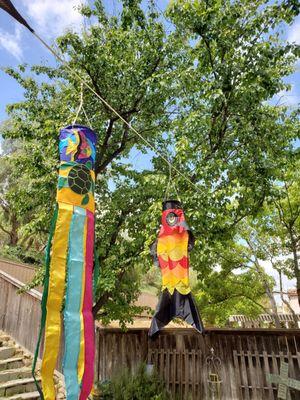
x: 19, y: 254
x: 138, y: 386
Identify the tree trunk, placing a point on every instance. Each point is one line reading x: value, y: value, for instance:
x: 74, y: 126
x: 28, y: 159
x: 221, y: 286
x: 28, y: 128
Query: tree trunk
x: 269, y: 293
x: 298, y: 289
x: 273, y: 308
x: 29, y: 243
x: 295, y: 319
x: 14, y: 237
x: 296, y: 263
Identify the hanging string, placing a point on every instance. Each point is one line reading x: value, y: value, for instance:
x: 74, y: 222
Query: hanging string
x: 169, y: 184
x: 86, y: 117
x: 86, y: 84
x: 178, y: 197
x: 80, y: 105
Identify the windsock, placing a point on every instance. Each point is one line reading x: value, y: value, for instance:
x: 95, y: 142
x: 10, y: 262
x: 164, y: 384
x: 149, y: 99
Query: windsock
x: 170, y: 253
x: 68, y: 285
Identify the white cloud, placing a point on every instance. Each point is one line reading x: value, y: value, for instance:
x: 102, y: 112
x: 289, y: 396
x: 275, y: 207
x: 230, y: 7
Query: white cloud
x: 294, y: 32
x: 287, y: 97
x: 52, y: 17
x: 11, y: 42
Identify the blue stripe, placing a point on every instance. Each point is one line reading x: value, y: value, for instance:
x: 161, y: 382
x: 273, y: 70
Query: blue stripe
x: 73, y: 303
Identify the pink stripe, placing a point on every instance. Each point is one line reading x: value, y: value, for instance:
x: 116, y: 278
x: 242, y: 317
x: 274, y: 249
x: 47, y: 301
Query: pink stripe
x: 88, y: 320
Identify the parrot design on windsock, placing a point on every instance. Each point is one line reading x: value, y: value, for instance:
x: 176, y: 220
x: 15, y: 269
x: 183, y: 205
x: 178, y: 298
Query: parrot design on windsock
x: 170, y: 252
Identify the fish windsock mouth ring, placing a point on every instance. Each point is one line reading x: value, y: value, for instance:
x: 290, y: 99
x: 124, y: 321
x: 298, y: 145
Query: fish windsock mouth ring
x: 172, y: 219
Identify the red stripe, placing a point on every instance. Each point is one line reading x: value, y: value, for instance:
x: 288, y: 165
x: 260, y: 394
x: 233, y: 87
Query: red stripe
x: 88, y: 320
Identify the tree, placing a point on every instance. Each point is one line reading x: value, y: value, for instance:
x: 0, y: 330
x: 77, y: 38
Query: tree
x: 237, y: 285
x: 22, y: 211
x: 284, y: 222
x: 227, y: 135
x: 258, y: 248
x: 123, y: 59
x: 9, y: 223
x: 198, y: 93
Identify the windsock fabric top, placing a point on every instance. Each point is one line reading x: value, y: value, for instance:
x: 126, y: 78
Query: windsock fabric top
x: 170, y: 253
x: 76, y: 182
x: 68, y: 284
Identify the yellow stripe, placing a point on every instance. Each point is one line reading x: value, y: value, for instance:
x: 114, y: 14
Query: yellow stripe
x: 55, y: 298
x: 81, y: 354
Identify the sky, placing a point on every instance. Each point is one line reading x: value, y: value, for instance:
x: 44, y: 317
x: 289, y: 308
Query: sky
x: 18, y: 45
x: 50, y: 18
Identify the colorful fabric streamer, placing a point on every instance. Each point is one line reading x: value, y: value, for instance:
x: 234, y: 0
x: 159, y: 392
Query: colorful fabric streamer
x: 68, y: 285
x: 170, y: 253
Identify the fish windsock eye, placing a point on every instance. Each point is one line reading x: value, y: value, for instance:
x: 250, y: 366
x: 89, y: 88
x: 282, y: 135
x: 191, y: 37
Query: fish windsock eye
x: 172, y: 219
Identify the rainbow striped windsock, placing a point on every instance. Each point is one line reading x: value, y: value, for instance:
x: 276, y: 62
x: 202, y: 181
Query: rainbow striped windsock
x: 68, y: 284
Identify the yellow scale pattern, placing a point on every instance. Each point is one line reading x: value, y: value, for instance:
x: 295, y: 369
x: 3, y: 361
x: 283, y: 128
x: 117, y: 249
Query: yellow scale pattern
x: 175, y: 248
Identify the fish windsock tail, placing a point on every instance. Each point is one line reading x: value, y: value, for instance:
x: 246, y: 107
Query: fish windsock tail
x: 175, y: 305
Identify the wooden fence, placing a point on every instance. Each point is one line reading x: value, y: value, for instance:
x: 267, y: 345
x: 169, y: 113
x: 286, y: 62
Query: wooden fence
x: 179, y: 355
x: 22, y: 272
x: 19, y: 313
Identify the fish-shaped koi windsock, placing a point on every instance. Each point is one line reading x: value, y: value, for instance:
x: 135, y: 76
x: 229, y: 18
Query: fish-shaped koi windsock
x: 170, y: 253
x: 68, y: 284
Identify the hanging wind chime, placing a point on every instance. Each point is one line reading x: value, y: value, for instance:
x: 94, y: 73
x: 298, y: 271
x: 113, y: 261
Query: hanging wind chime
x: 170, y: 252
x: 68, y: 284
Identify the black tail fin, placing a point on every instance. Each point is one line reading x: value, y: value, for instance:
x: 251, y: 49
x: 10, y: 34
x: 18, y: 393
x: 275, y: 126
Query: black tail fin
x: 175, y: 305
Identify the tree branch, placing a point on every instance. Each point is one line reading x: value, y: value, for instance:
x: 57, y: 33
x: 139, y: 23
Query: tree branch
x: 97, y: 88
x: 285, y: 301
x: 105, y: 141
x: 211, y: 61
x: 101, y: 167
x: 245, y: 296
x: 105, y: 296
x: 5, y: 230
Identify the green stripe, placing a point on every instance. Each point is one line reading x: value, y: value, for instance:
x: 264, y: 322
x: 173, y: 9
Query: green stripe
x: 44, y: 297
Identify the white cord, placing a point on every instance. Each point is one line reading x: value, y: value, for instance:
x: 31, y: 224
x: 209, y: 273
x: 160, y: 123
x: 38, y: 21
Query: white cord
x: 80, y: 105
